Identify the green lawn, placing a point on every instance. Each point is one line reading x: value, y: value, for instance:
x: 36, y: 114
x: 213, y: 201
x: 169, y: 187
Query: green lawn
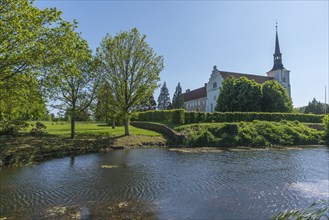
x: 92, y: 129
x: 90, y: 137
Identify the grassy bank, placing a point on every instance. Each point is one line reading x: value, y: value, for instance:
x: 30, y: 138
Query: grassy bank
x: 252, y: 134
x: 90, y: 137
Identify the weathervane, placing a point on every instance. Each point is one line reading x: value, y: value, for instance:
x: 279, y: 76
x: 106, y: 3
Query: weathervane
x: 276, y: 25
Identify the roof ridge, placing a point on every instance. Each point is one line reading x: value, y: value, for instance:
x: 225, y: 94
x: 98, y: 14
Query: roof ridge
x: 243, y: 73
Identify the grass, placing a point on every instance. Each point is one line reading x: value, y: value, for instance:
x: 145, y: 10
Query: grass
x: 90, y: 129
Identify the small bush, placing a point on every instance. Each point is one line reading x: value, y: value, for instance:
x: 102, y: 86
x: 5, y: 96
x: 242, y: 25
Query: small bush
x: 40, y: 129
x: 12, y: 127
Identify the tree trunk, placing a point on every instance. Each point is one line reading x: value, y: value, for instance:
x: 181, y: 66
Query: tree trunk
x: 127, y: 126
x: 107, y: 120
x: 73, y: 124
x: 113, y: 123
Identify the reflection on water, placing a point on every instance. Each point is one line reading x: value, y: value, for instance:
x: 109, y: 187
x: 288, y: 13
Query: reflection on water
x: 161, y: 183
x: 310, y: 189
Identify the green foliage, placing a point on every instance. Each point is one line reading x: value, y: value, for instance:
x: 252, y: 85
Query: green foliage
x: 315, y: 107
x: 22, y: 101
x: 239, y: 94
x: 185, y: 117
x: 148, y: 103
x: 39, y: 129
x: 326, y: 127
x: 275, y: 97
x: 73, y: 83
x: 244, y: 95
x: 164, y: 99
x: 318, y: 210
x: 178, y: 99
x: 165, y: 116
x: 32, y: 40
x: 12, y: 127
x: 106, y: 107
x: 131, y: 69
x: 252, y: 134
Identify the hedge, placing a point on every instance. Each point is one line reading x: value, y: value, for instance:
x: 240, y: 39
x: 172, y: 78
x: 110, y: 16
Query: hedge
x: 180, y: 116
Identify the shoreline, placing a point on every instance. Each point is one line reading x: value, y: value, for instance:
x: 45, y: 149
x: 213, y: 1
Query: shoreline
x: 24, y: 150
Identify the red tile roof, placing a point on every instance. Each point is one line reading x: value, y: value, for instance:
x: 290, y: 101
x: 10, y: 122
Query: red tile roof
x: 257, y: 78
x: 195, y: 94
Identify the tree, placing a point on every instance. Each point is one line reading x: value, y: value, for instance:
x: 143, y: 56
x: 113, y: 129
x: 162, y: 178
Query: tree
x: 131, y: 68
x: 106, y: 107
x: 275, y: 97
x: 148, y: 104
x: 74, y: 82
x: 239, y: 94
x: 178, y: 99
x: 315, y: 107
x: 22, y: 101
x: 30, y: 40
x: 164, y: 98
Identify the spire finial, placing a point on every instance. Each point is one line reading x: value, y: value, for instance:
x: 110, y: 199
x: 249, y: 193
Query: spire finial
x: 277, y: 54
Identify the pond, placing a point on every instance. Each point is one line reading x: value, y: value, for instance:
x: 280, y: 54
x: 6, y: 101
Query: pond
x: 167, y: 184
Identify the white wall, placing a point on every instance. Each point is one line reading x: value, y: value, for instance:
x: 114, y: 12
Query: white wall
x: 212, y: 93
x: 283, y: 77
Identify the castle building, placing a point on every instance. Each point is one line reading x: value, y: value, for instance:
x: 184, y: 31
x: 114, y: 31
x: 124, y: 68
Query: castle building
x: 205, y: 98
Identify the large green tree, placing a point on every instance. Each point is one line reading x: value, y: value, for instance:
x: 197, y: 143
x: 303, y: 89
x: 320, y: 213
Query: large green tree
x: 73, y: 83
x: 178, y: 99
x: 30, y: 39
x: 22, y: 101
x: 131, y: 68
x: 164, y: 98
x: 275, y: 97
x: 239, y: 94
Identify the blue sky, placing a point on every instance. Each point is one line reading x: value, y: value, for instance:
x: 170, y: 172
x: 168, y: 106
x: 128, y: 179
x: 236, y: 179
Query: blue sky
x: 237, y: 36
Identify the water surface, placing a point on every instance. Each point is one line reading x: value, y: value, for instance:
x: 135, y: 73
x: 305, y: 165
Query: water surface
x: 168, y: 184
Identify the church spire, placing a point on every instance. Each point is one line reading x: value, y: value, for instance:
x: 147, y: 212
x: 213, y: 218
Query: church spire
x: 277, y: 54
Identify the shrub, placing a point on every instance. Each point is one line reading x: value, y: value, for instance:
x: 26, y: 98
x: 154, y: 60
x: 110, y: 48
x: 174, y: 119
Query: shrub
x: 40, y: 129
x: 12, y: 127
x: 253, y: 134
x: 326, y: 127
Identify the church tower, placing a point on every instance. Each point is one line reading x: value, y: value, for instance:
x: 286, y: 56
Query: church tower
x: 278, y: 72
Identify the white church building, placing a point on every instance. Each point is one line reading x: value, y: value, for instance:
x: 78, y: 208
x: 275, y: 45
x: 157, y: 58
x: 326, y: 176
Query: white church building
x: 205, y: 98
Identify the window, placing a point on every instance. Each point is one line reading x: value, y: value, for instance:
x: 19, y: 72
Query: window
x: 214, y: 85
x: 215, y: 98
x: 284, y: 79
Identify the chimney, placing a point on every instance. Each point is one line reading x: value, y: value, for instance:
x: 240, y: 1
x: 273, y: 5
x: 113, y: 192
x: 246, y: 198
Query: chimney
x: 187, y: 90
